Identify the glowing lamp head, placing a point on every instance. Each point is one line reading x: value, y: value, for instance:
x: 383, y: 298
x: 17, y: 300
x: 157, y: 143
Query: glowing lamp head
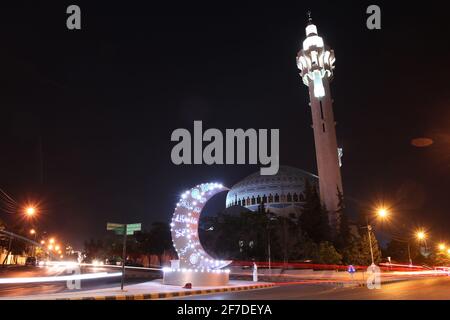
x: 441, y: 247
x: 382, y: 213
x: 421, y: 235
x: 32, y: 231
x: 30, y: 211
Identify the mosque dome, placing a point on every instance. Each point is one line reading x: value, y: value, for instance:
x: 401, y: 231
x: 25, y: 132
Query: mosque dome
x: 281, y: 193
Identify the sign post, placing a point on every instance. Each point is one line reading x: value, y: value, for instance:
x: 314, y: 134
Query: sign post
x: 124, y: 256
x: 351, y: 270
x: 123, y: 229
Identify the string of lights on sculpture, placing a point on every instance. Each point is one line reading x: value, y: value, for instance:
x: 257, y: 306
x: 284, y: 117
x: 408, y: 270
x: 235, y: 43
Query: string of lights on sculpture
x: 184, y: 230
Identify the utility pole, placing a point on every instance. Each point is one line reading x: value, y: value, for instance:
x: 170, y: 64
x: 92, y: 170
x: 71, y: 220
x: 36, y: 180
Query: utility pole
x: 268, y: 251
x: 124, y: 255
x: 369, y: 228
x: 268, y: 243
x: 409, y: 255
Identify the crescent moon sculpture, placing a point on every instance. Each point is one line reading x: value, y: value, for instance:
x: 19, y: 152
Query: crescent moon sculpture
x: 184, y: 228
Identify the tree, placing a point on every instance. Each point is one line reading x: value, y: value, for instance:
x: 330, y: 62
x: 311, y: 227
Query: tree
x: 343, y: 237
x: 352, y: 254
x: 398, y: 251
x: 328, y: 254
x: 94, y: 250
x: 160, y: 239
x: 286, y: 232
x: 15, y: 246
x: 314, y: 217
x: 441, y: 258
x: 365, y: 247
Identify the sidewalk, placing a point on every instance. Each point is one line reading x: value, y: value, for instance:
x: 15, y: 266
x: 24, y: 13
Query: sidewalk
x: 143, y: 291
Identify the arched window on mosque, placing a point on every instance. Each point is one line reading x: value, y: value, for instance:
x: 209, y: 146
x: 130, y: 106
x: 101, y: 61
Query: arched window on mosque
x: 301, y: 197
x: 295, y: 197
x: 289, y: 197
x: 277, y: 197
x: 248, y: 201
x: 270, y: 198
x: 264, y: 199
x: 258, y: 199
x: 283, y: 198
x: 253, y: 200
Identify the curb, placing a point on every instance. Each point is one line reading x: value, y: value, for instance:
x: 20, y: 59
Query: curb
x: 363, y: 283
x: 164, y: 295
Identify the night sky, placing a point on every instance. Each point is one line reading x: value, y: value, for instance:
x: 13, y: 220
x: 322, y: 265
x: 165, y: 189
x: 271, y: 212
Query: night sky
x: 104, y: 101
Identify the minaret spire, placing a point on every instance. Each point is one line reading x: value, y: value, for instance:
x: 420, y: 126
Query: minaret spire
x: 308, y: 15
x: 316, y: 63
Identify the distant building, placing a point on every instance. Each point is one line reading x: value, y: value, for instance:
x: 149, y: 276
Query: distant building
x: 281, y: 194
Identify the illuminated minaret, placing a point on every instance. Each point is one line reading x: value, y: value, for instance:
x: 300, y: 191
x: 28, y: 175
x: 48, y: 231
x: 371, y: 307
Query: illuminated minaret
x: 315, y: 62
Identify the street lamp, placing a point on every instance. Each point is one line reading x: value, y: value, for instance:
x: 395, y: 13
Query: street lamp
x: 30, y: 211
x: 381, y: 213
x: 33, y: 233
x: 441, y: 246
x: 421, y: 235
x: 268, y: 243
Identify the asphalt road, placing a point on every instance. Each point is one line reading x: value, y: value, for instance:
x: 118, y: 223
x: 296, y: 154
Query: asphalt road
x: 437, y: 288
x: 11, y: 290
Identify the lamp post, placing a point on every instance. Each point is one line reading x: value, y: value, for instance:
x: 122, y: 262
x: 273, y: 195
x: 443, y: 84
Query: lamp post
x: 381, y: 213
x: 409, y: 254
x: 422, y: 236
x: 369, y: 228
x: 33, y: 250
x: 268, y: 243
x: 30, y: 212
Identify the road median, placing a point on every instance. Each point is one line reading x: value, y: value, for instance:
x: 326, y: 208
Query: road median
x: 150, y: 290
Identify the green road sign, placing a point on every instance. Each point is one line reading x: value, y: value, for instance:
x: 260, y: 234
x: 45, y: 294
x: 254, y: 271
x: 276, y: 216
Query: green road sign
x: 119, y: 228
x: 132, y: 228
x: 114, y: 226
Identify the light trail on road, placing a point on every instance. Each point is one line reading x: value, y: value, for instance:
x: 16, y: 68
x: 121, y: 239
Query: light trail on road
x: 87, y: 276
x: 95, y: 265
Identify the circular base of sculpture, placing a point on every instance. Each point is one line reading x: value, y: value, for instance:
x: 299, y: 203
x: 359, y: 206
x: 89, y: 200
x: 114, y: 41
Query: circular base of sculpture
x: 197, y: 279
